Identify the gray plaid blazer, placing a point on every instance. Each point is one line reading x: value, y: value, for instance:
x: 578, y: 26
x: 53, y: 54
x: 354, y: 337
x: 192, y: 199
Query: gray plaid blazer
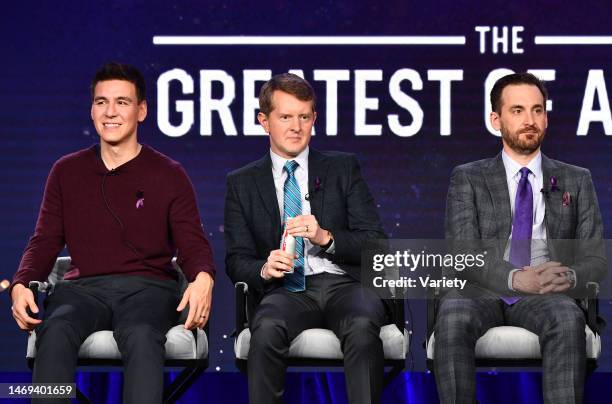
x: 478, y: 207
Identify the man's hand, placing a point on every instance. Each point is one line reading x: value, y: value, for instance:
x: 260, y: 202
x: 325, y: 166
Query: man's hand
x: 307, y: 226
x: 278, y: 263
x: 23, y: 299
x: 199, y: 296
x: 552, y: 277
x: 548, y: 277
x: 526, y: 281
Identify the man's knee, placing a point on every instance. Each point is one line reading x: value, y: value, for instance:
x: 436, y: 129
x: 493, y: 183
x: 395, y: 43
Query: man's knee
x: 268, y: 327
x: 458, y: 319
x: 360, y: 331
x: 139, y: 337
x: 269, y: 331
x: 568, y: 317
x: 58, y: 334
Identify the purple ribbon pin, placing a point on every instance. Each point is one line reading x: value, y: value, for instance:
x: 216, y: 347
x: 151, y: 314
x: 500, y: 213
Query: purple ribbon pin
x: 317, y: 184
x: 140, y: 203
x: 553, y: 184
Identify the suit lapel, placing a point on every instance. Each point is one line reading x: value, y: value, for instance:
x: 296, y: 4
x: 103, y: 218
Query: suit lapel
x: 265, y: 186
x: 552, y: 198
x: 497, y: 183
x: 317, y: 173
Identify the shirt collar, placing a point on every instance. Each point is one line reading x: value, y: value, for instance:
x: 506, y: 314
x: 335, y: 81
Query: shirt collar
x: 278, y: 162
x: 513, y: 168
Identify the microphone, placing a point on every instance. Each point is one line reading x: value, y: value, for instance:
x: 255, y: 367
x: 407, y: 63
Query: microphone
x: 317, y: 186
x: 545, y: 192
x: 140, y: 194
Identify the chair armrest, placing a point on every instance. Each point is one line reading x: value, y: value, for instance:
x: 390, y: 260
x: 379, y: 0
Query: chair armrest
x: 242, y: 310
x: 38, y: 287
x: 592, y: 306
x: 399, y: 316
x: 433, y: 295
x: 398, y: 310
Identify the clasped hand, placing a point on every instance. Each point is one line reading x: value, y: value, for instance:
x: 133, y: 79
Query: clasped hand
x: 549, y: 277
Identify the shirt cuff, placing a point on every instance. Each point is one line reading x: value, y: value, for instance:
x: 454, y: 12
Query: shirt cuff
x: 332, y: 248
x: 510, y: 275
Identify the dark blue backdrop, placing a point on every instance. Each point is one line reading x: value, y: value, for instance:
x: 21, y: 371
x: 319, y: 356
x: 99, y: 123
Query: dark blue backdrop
x: 50, y: 52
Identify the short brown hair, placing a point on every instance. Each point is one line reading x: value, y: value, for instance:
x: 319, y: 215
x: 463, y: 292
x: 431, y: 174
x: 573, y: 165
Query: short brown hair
x: 289, y: 83
x: 513, y: 80
x: 121, y: 71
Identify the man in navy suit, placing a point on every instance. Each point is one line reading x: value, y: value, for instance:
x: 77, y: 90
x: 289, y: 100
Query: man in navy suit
x: 322, y: 200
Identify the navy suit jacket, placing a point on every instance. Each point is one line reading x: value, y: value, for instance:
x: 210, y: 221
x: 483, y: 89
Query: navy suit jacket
x: 339, y: 199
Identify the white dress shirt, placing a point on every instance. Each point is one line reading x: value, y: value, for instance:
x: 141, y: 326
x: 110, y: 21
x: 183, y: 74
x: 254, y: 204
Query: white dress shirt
x: 539, y: 248
x: 316, y: 260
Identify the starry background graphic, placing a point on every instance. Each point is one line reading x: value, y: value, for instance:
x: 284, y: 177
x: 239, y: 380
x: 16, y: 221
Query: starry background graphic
x: 51, y: 51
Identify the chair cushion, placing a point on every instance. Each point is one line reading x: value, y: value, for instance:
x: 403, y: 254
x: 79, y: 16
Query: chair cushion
x: 180, y: 344
x: 320, y: 343
x: 516, y: 343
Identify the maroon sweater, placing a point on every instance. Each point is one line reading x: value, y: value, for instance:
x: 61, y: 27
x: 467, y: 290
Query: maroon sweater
x: 150, y: 211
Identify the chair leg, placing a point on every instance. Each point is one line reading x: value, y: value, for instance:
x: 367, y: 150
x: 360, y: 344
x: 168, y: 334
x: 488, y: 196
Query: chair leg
x: 182, y: 383
x: 82, y: 398
x: 241, y: 364
x: 591, y: 366
x: 389, y: 376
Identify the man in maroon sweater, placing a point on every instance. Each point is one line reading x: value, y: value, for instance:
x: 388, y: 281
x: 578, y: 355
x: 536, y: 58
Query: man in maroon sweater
x: 123, y: 210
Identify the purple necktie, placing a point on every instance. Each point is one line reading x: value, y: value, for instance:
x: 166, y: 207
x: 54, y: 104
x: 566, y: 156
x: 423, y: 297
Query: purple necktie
x: 520, y: 246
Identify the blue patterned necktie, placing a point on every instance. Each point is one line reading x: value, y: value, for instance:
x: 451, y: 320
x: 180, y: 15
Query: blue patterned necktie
x: 520, y: 246
x: 292, y: 205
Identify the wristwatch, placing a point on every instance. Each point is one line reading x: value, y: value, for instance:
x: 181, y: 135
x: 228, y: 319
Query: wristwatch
x: 571, y: 277
x: 329, y: 243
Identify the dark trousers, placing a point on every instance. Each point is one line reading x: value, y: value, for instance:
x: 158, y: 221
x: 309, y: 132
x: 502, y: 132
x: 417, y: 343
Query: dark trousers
x: 337, y: 302
x: 556, y: 319
x: 139, y: 310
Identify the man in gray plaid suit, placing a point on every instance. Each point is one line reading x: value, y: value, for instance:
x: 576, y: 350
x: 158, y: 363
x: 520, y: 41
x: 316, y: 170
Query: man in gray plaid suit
x: 520, y: 197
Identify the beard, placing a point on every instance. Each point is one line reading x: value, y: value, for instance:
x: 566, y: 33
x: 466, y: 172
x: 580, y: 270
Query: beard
x: 524, y: 141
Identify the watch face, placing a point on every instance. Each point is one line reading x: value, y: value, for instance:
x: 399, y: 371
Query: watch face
x: 571, y: 277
